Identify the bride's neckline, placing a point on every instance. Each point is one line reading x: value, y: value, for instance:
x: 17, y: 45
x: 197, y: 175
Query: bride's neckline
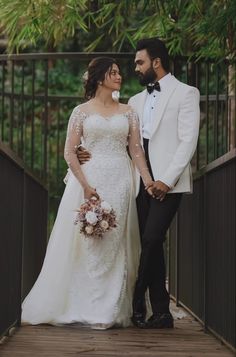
x: 110, y: 116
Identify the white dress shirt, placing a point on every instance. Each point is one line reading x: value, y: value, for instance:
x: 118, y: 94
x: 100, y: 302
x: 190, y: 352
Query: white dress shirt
x: 149, y: 105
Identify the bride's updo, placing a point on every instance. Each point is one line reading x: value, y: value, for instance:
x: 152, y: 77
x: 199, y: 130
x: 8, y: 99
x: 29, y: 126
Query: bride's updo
x: 95, y: 74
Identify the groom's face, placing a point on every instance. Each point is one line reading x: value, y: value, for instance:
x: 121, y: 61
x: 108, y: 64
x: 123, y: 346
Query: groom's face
x: 144, y: 68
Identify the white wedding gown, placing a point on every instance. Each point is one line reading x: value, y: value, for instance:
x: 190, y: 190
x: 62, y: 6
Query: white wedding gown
x: 84, y: 280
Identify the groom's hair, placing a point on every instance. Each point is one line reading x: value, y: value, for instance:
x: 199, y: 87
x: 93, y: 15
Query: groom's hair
x: 155, y: 49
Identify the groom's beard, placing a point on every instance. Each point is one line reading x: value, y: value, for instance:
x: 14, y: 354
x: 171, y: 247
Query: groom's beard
x: 148, y: 77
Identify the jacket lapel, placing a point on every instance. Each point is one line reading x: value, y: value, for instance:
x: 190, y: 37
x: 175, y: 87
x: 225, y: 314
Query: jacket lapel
x: 161, y: 104
x: 140, y: 105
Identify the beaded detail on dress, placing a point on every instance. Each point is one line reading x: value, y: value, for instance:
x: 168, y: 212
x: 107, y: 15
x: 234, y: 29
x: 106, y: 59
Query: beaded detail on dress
x: 90, y: 281
x: 106, y: 138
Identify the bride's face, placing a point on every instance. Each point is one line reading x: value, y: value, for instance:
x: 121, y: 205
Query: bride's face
x: 113, y: 78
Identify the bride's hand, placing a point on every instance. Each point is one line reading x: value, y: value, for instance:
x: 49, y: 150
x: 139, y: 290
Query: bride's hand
x: 90, y: 192
x: 149, y: 188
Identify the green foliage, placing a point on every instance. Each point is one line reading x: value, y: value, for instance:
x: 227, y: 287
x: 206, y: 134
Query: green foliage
x: 214, y: 30
x: 27, y: 22
x: 205, y: 29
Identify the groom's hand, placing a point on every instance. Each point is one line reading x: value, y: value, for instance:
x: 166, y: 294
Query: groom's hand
x: 83, y: 155
x: 159, y: 190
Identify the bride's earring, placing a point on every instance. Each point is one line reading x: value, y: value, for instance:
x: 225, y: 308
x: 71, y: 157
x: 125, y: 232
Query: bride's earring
x: 99, y: 83
x: 116, y: 95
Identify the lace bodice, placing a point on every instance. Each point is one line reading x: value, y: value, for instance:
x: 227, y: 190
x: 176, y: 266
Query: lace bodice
x: 104, y: 136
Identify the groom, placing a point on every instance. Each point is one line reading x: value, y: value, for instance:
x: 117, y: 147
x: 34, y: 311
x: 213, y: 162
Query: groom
x: 168, y: 111
x: 169, y: 116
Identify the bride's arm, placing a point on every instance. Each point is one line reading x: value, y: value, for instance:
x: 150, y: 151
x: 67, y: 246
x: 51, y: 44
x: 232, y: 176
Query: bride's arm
x: 136, y: 150
x: 73, y: 140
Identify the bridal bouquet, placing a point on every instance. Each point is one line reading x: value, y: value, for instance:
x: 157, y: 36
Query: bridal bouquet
x: 95, y: 218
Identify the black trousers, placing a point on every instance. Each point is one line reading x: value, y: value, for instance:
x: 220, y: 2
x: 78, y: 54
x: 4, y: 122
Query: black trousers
x: 154, y: 220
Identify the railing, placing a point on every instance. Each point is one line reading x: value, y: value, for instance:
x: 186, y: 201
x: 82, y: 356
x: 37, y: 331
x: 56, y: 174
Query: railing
x: 38, y: 92
x: 23, y: 234
x: 202, y: 271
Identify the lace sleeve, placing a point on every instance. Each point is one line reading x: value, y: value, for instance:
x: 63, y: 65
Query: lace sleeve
x: 135, y: 148
x: 73, y: 139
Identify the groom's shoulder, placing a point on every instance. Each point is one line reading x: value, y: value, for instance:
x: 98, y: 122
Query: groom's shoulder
x: 137, y: 96
x: 185, y: 88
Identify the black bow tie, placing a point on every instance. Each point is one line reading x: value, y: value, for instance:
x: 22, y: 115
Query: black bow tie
x: 152, y: 86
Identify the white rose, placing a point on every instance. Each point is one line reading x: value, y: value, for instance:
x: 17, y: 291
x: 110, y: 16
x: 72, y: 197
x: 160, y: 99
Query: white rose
x: 91, y: 217
x: 89, y: 229
x: 104, y: 224
x: 106, y: 207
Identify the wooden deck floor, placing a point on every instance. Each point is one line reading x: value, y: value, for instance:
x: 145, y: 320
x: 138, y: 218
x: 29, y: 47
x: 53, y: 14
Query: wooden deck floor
x: 187, y: 339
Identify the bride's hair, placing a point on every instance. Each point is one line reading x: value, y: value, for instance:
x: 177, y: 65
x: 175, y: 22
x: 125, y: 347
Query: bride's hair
x: 95, y: 74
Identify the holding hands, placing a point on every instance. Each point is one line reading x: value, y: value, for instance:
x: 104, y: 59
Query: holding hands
x: 157, y: 189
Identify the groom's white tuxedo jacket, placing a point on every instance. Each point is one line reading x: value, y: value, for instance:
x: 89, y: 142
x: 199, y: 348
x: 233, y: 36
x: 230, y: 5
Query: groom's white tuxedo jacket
x: 174, y: 134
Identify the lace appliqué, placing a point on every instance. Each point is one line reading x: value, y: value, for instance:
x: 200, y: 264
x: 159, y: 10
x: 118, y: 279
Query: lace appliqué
x: 73, y: 140
x: 108, y: 172
x: 135, y: 147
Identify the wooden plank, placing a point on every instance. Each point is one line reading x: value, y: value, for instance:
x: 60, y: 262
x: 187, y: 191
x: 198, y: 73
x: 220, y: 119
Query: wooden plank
x: 187, y: 339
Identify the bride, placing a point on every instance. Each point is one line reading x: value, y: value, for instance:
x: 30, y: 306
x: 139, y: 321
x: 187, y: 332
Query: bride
x: 85, y: 280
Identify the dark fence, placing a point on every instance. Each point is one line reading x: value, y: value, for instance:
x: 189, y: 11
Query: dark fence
x: 23, y: 235
x: 202, y: 275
